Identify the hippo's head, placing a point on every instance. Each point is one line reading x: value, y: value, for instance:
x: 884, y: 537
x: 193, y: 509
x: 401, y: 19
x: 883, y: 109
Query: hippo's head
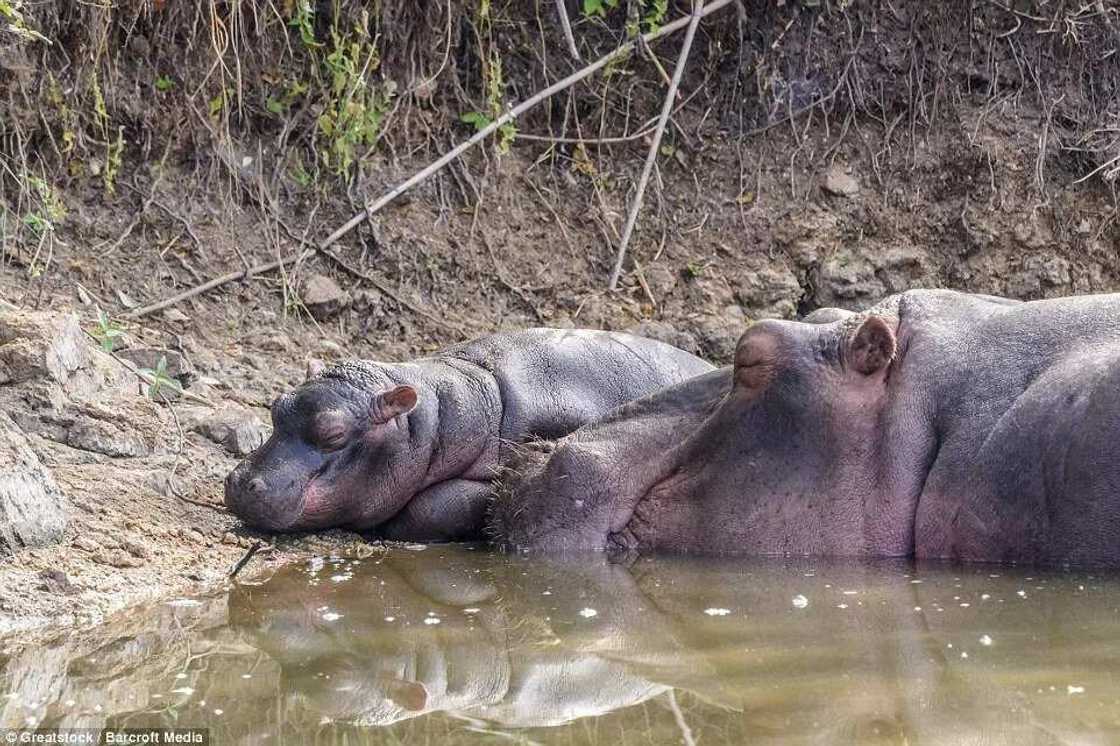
x: 338, y: 448
x: 777, y: 464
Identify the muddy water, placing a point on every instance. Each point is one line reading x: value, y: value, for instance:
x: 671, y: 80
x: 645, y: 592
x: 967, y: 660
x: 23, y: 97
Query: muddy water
x: 456, y: 645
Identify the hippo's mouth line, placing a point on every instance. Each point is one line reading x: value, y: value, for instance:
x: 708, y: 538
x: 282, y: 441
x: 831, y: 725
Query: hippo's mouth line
x: 620, y: 532
x: 627, y: 518
x: 309, y: 506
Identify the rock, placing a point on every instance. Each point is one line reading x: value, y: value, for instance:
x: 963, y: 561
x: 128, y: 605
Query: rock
x: 707, y: 290
x: 235, y: 429
x: 116, y: 558
x: 56, y: 581
x: 1032, y: 234
x: 661, y: 279
x: 808, y: 235
x: 904, y: 267
x: 323, y: 297
x: 1038, y: 275
x: 667, y: 333
x: 230, y: 538
x: 136, y: 549
x: 770, y: 293
x: 719, y: 335
x: 41, y: 345
x: 838, y: 181
x: 85, y: 543
x: 98, y: 436
x: 330, y: 348
x: 276, y: 343
x: 368, y: 300
x: 33, y: 510
x: 85, y: 433
x: 847, y: 281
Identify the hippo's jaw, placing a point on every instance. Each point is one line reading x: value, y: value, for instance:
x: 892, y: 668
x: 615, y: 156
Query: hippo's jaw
x: 276, y: 499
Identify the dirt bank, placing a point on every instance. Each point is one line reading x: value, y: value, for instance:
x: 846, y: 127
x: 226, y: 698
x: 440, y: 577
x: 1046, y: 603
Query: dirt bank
x: 822, y: 155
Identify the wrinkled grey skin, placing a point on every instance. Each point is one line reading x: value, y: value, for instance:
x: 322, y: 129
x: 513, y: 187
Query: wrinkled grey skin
x: 412, y: 447
x: 938, y: 425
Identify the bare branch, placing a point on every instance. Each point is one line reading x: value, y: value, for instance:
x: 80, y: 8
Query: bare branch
x: 655, y: 146
x: 566, y: 24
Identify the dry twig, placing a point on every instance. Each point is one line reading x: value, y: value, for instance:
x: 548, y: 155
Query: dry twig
x: 655, y: 146
x: 566, y: 24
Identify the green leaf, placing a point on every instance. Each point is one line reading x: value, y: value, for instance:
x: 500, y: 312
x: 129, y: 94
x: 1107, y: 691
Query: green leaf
x: 274, y: 106
x: 598, y: 7
x: 164, y: 83
x: 477, y: 118
x: 217, y: 103
x: 159, y: 379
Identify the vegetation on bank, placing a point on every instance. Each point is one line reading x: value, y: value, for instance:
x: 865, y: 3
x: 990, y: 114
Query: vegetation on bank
x: 272, y: 99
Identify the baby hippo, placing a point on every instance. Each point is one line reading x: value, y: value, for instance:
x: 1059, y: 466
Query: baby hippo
x: 411, y: 448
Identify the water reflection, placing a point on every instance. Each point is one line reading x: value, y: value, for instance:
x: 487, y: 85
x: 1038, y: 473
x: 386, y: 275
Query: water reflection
x: 452, y: 645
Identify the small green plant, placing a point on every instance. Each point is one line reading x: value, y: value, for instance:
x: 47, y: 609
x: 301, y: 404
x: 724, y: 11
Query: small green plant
x: 163, y: 83
x: 655, y: 12
x: 158, y: 379
x: 692, y: 270
x: 107, y: 332
x: 113, y: 161
x: 476, y: 118
x: 11, y: 11
x: 217, y: 104
x: 355, y: 108
x: 598, y: 7
x: 304, y: 20
x: 66, y: 116
x: 480, y: 121
x: 49, y: 208
x: 494, y: 86
x: 102, y: 113
x: 37, y: 223
x: 300, y: 175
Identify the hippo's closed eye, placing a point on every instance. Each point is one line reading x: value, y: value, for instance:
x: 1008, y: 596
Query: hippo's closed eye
x: 330, y: 430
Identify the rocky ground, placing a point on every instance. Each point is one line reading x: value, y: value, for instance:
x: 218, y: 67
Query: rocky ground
x: 113, y: 498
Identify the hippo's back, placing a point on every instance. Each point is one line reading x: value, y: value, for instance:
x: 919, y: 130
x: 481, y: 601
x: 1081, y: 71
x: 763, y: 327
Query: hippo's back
x: 553, y: 381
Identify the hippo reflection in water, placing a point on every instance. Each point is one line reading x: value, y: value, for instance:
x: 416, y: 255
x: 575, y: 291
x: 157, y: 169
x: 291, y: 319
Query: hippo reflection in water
x: 411, y: 448
x: 868, y: 654
x: 936, y: 425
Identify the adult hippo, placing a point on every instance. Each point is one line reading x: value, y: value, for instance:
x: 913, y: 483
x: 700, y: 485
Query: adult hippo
x: 938, y: 425
x: 412, y: 447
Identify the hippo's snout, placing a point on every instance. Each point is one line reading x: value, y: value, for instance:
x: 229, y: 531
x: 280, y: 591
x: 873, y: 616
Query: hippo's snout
x: 249, y: 497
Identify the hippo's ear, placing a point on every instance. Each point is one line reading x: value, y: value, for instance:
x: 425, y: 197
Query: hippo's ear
x: 872, y: 347
x: 388, y: 405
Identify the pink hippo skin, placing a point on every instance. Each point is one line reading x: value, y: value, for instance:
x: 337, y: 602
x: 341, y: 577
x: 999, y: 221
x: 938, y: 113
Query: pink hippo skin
x: 936, y: 425
x: 411, y: 448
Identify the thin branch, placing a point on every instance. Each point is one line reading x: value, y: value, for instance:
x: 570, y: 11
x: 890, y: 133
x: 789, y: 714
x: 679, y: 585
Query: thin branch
x: 655, y: 146
x: 562, y: 10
